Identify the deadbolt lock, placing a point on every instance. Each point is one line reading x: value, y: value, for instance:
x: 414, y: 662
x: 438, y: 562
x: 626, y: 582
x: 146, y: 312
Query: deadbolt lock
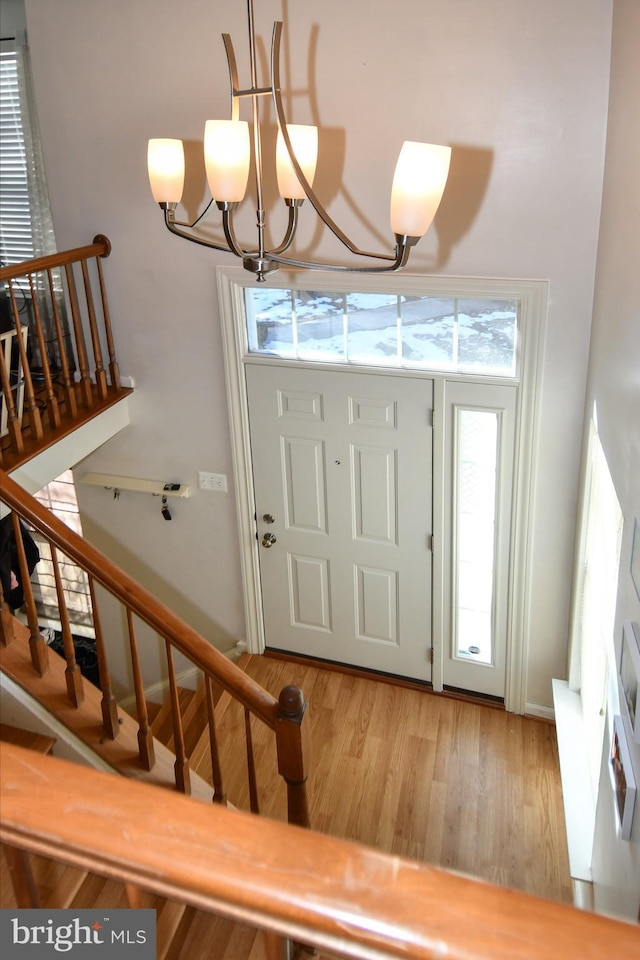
x: 269, y: 518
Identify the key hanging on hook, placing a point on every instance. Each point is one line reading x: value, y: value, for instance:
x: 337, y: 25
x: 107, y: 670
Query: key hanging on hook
x: 164, y: 509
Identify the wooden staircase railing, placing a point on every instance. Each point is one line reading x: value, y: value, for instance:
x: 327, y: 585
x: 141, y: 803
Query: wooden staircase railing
x: 319, y: 890
x: 287, y: 716
x: 58, y: 365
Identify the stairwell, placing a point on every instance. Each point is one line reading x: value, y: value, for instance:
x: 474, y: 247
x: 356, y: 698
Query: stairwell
x: 182, y: 932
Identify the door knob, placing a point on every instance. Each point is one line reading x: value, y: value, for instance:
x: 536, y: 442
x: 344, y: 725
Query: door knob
x: 268, y: 540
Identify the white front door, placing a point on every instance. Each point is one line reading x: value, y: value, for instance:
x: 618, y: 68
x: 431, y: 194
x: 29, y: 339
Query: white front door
x: 342, y: 466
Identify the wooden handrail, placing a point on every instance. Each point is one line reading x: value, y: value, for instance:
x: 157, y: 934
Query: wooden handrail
x: 58, y: 378
x: 101, y: 247
x: 320, y: 890
x: 163, y: 620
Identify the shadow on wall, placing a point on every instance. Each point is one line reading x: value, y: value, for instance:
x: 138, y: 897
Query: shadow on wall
x: 196, y: 191
x: 469, y: 175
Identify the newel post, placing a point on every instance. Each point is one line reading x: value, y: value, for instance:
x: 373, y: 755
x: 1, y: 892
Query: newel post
x: 293, y: 745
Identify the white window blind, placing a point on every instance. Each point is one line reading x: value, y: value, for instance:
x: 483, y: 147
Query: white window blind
x: 16, y: 242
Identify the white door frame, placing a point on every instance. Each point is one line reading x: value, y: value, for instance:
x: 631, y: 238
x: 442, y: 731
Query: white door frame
x: 532, y: 298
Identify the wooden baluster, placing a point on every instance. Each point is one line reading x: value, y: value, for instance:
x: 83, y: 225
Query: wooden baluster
x: 219, y: 795
x: 50, y: 397
x: 114, y: 372
x: 14, y: 424
x: 109, y: 706
x: 292, y: 739
x: 100, y: 372
x: 136, y: 899
x: 251, y: 766
x: 22, y: 879
x: 81, y: 349
x: 145, y: 736
x: 67, y: 380
x: 7, y: 630
x: 73, y: 674
x: 30, y: 405
x: 275, y: 946
x: 37, y: 646
x: 181, y: 766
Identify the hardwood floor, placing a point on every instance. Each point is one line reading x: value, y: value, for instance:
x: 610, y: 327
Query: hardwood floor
x: 461, y: 785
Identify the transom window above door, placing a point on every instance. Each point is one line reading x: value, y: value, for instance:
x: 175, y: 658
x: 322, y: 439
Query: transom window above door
x: 465, y: 335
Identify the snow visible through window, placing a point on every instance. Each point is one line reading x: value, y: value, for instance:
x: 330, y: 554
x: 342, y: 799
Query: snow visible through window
x: 470, y: 335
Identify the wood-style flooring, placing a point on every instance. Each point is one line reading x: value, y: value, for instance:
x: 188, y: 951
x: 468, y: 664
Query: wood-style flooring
x: 464, y: 786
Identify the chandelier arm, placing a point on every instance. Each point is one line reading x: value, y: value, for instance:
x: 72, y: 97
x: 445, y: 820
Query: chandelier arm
x: 171, y: 225
x: 399, y: 261
x: 308, y: 189
x: 290, y: 231
x: 184, y: 223
x: 227, y: 225
x: 233, y: 76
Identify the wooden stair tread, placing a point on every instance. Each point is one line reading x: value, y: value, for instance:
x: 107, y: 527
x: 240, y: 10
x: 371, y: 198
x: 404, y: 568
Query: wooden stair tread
x: 26, y: 738
x: 122, y: 754
x: 162, y: 726
x: 193, y: 712
x: 153, y: 709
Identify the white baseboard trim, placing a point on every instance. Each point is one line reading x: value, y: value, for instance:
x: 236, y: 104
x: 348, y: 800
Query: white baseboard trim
x: 537, y: 710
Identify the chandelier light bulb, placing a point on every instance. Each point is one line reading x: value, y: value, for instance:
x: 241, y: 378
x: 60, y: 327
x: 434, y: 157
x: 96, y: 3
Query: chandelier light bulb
x: 418, y: 184
x: 165, y: 164
x: 227, y: 155
x: 304, y: 140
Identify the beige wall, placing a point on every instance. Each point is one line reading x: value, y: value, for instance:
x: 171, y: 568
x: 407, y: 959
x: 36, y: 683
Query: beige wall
x: 519, y: 89
x: 614, y: 387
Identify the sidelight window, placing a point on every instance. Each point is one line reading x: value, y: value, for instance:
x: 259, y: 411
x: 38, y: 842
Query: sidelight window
x: 475, y: 532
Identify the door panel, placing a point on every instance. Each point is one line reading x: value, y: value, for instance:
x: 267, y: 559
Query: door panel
x: 303, y: 471
x: 377, y: 605
x: 309, y: 592
x: 343, y: 462
x: 374, y: 493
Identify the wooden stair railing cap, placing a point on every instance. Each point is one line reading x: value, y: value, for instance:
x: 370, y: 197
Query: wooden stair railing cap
x: 101, y: 247
x: 317, y: 889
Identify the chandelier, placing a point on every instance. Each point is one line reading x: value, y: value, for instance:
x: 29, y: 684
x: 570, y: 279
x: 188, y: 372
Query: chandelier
x: 418, y: 183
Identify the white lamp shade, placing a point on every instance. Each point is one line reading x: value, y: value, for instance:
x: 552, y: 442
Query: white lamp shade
x: 227, y: 155
x: 304, y: 140
x: 165, y: 164
x: 418, y: 184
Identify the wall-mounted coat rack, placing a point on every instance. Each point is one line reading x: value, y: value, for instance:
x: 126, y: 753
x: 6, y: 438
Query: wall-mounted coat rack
x: 155, y: 487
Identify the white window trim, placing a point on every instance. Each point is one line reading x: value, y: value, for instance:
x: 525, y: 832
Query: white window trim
x: 531, y: 296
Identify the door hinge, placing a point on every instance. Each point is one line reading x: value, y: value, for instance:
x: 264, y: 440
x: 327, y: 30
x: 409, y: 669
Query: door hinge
x: 430, y: 542
x: 430, y: 655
